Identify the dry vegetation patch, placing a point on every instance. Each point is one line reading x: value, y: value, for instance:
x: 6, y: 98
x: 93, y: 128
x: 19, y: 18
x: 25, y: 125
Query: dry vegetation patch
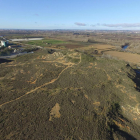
x: 128, y: 57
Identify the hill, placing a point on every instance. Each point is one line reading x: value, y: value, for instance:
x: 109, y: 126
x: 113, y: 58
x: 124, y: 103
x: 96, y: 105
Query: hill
x: 68, y: 95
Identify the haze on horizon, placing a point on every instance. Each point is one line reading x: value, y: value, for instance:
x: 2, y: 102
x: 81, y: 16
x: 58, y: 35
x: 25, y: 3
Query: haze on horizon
x: 64, y: 14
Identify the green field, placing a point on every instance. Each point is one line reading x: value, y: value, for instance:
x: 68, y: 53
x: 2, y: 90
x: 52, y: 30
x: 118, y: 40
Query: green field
x: 45, y: 42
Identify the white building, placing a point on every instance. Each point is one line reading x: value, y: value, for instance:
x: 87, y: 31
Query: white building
x: 4, y: 43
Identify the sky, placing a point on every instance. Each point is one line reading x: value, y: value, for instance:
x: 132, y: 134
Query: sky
x: 70, y: 14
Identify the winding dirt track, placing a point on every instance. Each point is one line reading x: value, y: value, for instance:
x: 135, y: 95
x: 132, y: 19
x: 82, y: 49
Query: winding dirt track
x: 33, y: 90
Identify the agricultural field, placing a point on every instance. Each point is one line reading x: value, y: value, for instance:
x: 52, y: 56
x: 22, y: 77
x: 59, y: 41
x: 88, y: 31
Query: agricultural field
x: 59, y: 44
x: 128, y: 57
x: 65, y: 91
x: 44, y: 42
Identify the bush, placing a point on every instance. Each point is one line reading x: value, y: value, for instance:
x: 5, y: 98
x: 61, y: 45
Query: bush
x: 115, y: 108
x: 6, y: 51
x: 2, y: 48
x: 30, y: 50
x: 87, y: 58
x: 93, y: 41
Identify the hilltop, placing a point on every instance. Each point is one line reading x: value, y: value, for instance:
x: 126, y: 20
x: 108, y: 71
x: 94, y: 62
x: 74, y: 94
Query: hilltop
x: 68, y: 94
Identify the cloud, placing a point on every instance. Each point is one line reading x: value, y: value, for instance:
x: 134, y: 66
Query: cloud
x: 80, y: 24
x: 123, y: 25
x: 37, y: 15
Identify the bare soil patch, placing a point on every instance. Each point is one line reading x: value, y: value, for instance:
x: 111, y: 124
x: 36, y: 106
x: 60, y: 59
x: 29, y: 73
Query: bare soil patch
x: 132, y: 58
x: 73, y: 46
x: 55, y: 112
x: 103, y: 47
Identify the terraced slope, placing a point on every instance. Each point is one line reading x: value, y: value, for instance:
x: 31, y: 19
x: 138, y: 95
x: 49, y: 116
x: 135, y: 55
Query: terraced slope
x: 68, y: 95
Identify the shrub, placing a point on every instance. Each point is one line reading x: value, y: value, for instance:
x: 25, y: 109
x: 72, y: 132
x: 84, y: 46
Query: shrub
x: 30, y: 50
x: 87, y: 58
x: 6, y: 51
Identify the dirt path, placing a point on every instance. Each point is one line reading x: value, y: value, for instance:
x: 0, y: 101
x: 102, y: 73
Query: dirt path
x: 52, y: 81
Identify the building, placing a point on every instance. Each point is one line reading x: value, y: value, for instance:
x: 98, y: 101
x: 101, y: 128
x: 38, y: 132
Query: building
x: 4, y: 43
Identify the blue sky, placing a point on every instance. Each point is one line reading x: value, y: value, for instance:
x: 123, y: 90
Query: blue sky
x: 70, y: 14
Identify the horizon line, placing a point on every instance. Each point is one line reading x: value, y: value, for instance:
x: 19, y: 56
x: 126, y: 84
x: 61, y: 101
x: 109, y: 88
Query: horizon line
x: 74, y: 29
